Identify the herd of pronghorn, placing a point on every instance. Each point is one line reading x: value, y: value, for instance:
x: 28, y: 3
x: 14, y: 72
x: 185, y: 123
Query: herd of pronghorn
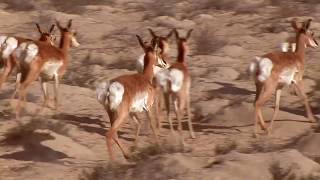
x: 157, y: 82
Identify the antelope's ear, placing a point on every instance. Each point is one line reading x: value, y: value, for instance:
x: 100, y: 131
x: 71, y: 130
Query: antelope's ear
x: 176, y: 33
x: 307, y: 24
x: 295, y: 25
x: 189, y: 34
x: 51, y: 29
x: 69, y: 24
x: 141, y: 42
x: 38, y: 27
x: 152, y: 33
x: 170, y: 34
x: 59, y: 25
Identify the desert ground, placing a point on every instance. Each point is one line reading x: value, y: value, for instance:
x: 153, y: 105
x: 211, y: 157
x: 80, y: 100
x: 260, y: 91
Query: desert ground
x: 69, y: 143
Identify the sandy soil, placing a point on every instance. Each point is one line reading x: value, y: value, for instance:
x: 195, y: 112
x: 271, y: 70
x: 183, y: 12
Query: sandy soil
x: 70, y: 143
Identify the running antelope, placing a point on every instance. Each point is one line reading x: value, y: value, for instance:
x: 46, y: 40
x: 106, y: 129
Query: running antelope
x: 46, y: 62
x: 273, y: 71
x: 8, y: 44
x: 129, y: 94
x: 178, y: 86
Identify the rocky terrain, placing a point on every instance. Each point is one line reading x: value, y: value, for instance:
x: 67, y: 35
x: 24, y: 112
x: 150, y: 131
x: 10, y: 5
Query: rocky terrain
x: 70, y: 143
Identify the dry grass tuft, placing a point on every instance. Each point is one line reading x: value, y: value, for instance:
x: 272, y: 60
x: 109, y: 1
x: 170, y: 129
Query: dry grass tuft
x: 279, y: 173
x: 206, y: 41
x: 226, y: 148
x: 16, y: 134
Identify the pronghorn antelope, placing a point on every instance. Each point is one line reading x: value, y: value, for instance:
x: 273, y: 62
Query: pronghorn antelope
x: 160, y: 76
x: 272, y: 71
x: 40, y: 59
x: 177, y: 88
x: 8, y: 44
x: 129, y: 94
x: 164, y: 49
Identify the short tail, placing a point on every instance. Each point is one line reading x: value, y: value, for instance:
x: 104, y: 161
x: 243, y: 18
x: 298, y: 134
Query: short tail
x: 102, y: 92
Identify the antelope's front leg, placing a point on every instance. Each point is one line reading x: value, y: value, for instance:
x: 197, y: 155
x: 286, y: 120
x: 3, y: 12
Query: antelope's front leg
x: 299, y: 87
x: 56, y: 91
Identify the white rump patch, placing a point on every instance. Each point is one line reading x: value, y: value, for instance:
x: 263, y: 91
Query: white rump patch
x: 140, y: 102
x: 263, y: 65
x: 287, y: 76
x: 50, y: 68
x: 162, y: 78
x: 285, y: 47
x: 116, y: 91
x: 176, y: 78
x: 288, y: 47
x: 31, y: 52
x: 9, y: 46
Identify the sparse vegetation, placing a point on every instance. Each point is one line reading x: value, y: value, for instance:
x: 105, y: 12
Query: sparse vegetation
x: 70, y: 6
x: 279, y: 173
x: 206, y: 40
x: 17, y: 133
x: 19, y: 5
x: 105, y: 172
x: 158, y: 8
x: 153, y: 149
x: 226, y: 148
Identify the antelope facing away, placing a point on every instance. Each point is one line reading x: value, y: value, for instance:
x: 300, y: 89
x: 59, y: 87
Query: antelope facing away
x: 40, y: 59
x: 273, y: 71
x: 129, y: 94
x: 8, y: 44
x: 177, y: 88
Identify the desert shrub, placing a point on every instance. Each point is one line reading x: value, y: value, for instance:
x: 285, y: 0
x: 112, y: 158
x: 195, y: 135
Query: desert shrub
x: 226, y: 147
x: 15, y: 134
x: 105, y: 172
x: 77, y: 6
x: 206, y: 41
x: 19, y: 5
x: 158, y: 8
x: 279, y: 173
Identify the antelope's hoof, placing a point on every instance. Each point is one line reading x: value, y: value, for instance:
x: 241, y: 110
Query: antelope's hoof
x: 255, y: 135
x: 192, y: 136
x: 269, y: 131
x: 312, y: 119
x: 127, y: 156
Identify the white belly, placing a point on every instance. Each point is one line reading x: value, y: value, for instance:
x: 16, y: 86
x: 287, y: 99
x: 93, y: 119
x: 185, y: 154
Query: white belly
x: 140, y: 102
x: 287, y: 76
x: 51, y: 68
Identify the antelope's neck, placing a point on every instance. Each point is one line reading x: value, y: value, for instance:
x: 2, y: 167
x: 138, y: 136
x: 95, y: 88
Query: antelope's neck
x: 301, y: 47
x: 65, y: 43
x: 148, y: 66
x: 182, y: 53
